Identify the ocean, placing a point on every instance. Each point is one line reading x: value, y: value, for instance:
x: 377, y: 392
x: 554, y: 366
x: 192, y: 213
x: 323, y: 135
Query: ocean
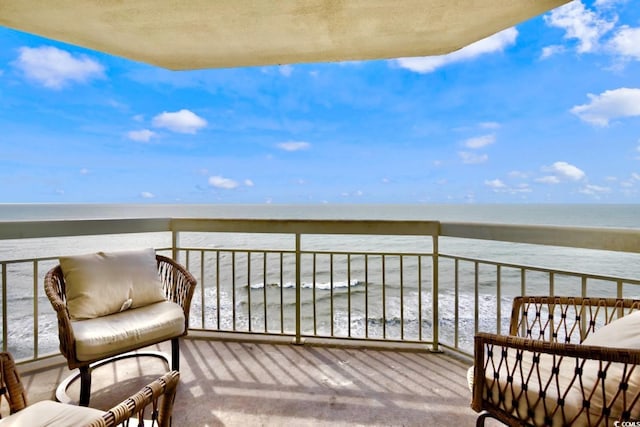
x: 339, y: 298
x: 592, y: 215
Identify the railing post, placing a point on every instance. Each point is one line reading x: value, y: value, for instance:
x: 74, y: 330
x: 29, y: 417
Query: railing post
x: 298, y: 339
x: 175, y: 242
x: 5, y: 322
x: 434, y: 297
x: 35, y: 310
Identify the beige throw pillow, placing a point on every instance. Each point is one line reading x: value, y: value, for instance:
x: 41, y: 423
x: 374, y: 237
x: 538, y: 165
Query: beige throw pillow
x: 621, y: 333
x: 104, y: 283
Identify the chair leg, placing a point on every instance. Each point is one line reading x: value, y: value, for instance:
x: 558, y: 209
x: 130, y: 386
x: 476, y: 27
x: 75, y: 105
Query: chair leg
x: 175, y: 354
x: 85, y: 385
x: 483, y: 416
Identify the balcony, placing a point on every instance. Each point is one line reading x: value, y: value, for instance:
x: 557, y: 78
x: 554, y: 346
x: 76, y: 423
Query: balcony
x: 317, y: 322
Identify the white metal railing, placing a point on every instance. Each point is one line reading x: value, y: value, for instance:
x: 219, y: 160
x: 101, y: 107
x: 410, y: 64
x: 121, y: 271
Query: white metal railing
x: 306, y: 279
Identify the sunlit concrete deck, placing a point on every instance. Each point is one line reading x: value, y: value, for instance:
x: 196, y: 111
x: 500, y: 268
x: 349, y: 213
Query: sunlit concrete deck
x: 226, y: 383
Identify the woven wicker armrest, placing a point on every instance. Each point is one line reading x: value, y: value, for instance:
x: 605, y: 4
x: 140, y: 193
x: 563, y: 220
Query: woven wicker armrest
x: 607, y: 354
x: 153, y: 402
x: 565, y: 319
x: 54, y: 287
x: 10, y: 384
x: 521, y: 380
x: 177, y: 282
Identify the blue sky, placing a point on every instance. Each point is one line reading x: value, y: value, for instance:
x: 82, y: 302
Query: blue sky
x: 547, y: 111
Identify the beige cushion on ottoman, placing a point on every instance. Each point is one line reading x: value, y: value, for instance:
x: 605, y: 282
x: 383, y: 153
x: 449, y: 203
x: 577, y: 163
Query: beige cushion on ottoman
x: 49, y: 413
x: 120, y: 332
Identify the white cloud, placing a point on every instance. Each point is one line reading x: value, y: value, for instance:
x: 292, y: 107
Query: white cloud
x: 610, y: 104
x: 183, y: 121
x: 500, y: 187
x: 143, y: 135
x: 495, y: 184
x: 608, y: 3
x: 565, y: 170
x: 248, y: 183
x: 285, y: 70
x: 221, y: 182
x: 480, y: 141
x: 518, y: 174
x: 495, y: 43
x: 472, y: 158
x: 581, y: 24
x: 55, y: 68
x: 294, y: 145
x: 522, y: 188
x: 631, y: 182
x: 549, y: 51
x: 84, y: 171
x: 549, y: 179
x: 626, y: 42
x: 357, y: 193
x: 147, y: 195
x: 490, y: 125
x: 594, y: 189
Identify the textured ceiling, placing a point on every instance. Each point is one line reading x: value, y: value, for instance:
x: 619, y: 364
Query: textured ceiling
x: 193, y: 34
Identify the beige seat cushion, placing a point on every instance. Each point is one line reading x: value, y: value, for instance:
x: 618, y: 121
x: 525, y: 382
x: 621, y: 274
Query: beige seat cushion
x: 518, y: 400
x: 104, y: 336
x: 470, y: 374
x: 104, y: 283
x: 53, y: 414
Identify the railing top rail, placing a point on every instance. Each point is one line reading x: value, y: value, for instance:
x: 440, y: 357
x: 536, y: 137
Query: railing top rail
x: 534, y: 268
x: 309, y: 226
x: 613, y: 239
x: 80, y: 227
x: 609, y: 239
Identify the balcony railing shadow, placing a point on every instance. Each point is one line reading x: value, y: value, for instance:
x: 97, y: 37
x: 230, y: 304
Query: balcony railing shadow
x: 226, y: 383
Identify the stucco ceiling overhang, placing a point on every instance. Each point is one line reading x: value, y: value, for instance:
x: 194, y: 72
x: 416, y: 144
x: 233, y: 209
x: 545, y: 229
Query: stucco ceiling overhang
x: 196, y: 34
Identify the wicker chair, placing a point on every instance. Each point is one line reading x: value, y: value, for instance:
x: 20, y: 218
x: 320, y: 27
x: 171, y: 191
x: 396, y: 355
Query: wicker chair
x: 178, y: 286
x: 544, y: 373
x: 160, y: 395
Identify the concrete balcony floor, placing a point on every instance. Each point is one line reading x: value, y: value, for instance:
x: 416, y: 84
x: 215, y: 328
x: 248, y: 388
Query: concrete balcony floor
x: 228, y: 383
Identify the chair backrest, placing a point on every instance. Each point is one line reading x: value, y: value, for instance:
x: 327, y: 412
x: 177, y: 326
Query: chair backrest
x: 565, y: 319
